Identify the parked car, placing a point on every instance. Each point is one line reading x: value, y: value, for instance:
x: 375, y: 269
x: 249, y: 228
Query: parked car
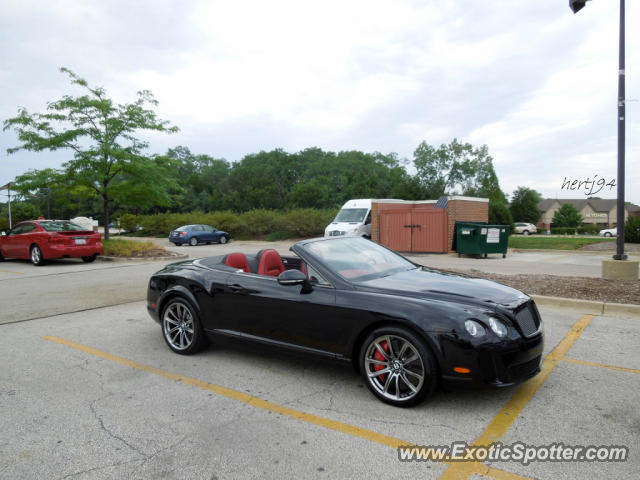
x: 404, y: 327
x: 525, y: 228
x: 195, y: 234
x: 609, y: 232
x: 41, y: 240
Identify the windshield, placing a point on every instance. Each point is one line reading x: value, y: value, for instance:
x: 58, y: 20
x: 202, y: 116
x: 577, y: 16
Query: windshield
x: 357, y: 259
x: 351, y: 215
x: 61, y: 226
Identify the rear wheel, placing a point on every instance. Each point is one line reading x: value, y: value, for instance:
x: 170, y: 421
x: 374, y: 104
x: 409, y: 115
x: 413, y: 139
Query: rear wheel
x: 1, y: 257
x: 36, y: 255
x: 223, y: 239
x: 526, y: 232
x: 193, y: 242
x: 89, y: 258
x: 607, y: 234
x: 181, y: 327
x: 398, y: 367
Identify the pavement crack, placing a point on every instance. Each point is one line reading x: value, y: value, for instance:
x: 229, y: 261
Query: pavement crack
x: 98, y: 417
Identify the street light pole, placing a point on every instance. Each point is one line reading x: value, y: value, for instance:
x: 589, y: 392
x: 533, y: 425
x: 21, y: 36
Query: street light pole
x: 621, y: 141
x: 575, y: 6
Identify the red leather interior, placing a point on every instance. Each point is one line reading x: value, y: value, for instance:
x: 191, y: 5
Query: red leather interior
x: 270, y: 263
x: 238, y: 260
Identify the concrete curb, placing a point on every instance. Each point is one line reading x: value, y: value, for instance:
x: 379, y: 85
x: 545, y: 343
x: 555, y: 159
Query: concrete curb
x: 170, y: 258
x: 589, y: 306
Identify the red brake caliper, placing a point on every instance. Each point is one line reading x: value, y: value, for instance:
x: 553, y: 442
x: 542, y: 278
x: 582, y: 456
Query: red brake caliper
x: 380, y: 357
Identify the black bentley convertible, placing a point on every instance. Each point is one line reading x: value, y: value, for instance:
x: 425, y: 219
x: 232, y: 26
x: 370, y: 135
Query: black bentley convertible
x: 405, y: 328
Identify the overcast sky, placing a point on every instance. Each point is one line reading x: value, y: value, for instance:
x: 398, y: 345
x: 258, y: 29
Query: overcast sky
x: 528, y: 78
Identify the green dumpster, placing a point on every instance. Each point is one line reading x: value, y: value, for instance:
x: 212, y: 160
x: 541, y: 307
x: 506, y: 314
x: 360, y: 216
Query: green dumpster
x: 476, y: 238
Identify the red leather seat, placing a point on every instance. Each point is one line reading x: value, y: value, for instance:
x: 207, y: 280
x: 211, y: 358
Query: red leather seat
x: 238, y: 260
x: 270, y: 263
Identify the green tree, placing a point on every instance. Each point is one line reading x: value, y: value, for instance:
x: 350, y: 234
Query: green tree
x: 567, y: 216
x: 499, y: 214
x: 107, y: 156
x: 524, y: 205
x: 632, y: 230
x: 19, y: 211
x: 457, y: 169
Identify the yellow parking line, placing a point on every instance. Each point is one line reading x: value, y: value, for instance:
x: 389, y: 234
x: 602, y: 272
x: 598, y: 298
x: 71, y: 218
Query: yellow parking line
x: 601, y: 365
x: 10, y: 271
x: 508, y: 414
x: 273, y: 407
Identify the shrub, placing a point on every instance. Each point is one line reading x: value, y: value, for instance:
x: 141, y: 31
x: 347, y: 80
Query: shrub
x: 563, y: 230
x: 129, y: 222
x: 308, y: 222
x: 632, y: 230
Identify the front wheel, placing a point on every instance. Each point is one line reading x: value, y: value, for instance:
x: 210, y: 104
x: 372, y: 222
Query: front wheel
x: 223, y: 239
x: 89, y: 258
x: 398, y: 367
x: 36, y: 256
x: 526, y: 232
x: 181, y: 327
x: 193, y: 242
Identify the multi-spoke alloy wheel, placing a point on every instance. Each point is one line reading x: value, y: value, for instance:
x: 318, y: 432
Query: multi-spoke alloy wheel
x: 181, y: 327
x: 36, y: 256
x: 398, y: 367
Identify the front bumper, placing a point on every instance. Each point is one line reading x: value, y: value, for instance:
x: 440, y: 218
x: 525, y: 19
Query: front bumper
x: 499, y: 364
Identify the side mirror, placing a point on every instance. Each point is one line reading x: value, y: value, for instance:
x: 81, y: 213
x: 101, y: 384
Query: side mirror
x: 292, y: 277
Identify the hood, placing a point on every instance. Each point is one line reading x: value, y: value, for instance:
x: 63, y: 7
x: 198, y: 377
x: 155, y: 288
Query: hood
x: 426, y: 283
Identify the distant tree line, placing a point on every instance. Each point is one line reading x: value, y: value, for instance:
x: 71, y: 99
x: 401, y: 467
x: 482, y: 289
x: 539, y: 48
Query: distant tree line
x: 110, y: 175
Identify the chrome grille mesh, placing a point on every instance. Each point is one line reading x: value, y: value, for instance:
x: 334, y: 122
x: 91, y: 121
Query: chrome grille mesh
x: 528, y: 320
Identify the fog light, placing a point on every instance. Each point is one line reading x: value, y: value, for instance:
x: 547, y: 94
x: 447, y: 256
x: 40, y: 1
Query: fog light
x: 474, y: 328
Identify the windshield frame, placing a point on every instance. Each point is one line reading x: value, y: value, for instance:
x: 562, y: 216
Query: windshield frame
x: 356, y: 259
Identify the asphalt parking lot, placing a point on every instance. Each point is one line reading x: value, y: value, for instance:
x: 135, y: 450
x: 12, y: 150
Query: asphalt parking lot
x: 90, y: 390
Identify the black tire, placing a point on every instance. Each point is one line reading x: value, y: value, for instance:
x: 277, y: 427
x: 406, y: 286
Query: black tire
x: 526, y: 232
x: 35, y: 255
x: 181, y: 328
x: 89, y: 258
x: 1, y: 257
x: 405, y: 368
x: 193, y: 241
x: 223, y: 239
x: 177, y: 244
x: 607, y: 234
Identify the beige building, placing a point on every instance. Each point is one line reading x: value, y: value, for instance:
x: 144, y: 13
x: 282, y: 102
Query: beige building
x: 595, y: 211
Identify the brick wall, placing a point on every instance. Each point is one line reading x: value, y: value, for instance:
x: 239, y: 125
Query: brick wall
x: 375, y: 222
x: 466, y: 210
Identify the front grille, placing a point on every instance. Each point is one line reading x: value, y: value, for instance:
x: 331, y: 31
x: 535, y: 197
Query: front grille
x: 524, y: 370
x: 528, y: 320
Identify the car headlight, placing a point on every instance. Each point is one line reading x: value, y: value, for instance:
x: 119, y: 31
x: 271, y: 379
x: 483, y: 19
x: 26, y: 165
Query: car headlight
x: 497, y: 327
x: 474, y: 328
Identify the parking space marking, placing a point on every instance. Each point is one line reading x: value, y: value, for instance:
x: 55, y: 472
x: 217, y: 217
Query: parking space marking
x: 471, y: 468
x: 11, y: 271
x: 600, y: 365
x: 508, y: 414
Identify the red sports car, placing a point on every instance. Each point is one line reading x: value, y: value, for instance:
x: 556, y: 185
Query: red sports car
x: 41, y: 240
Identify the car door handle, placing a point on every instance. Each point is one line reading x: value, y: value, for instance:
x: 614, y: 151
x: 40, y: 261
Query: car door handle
x: 235, y: 288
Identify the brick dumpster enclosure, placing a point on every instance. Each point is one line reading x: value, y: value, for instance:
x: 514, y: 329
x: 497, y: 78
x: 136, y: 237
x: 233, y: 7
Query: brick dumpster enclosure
x: 425, y: 226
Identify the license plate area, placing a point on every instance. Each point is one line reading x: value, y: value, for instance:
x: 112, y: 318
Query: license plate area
x: 80, y: 241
